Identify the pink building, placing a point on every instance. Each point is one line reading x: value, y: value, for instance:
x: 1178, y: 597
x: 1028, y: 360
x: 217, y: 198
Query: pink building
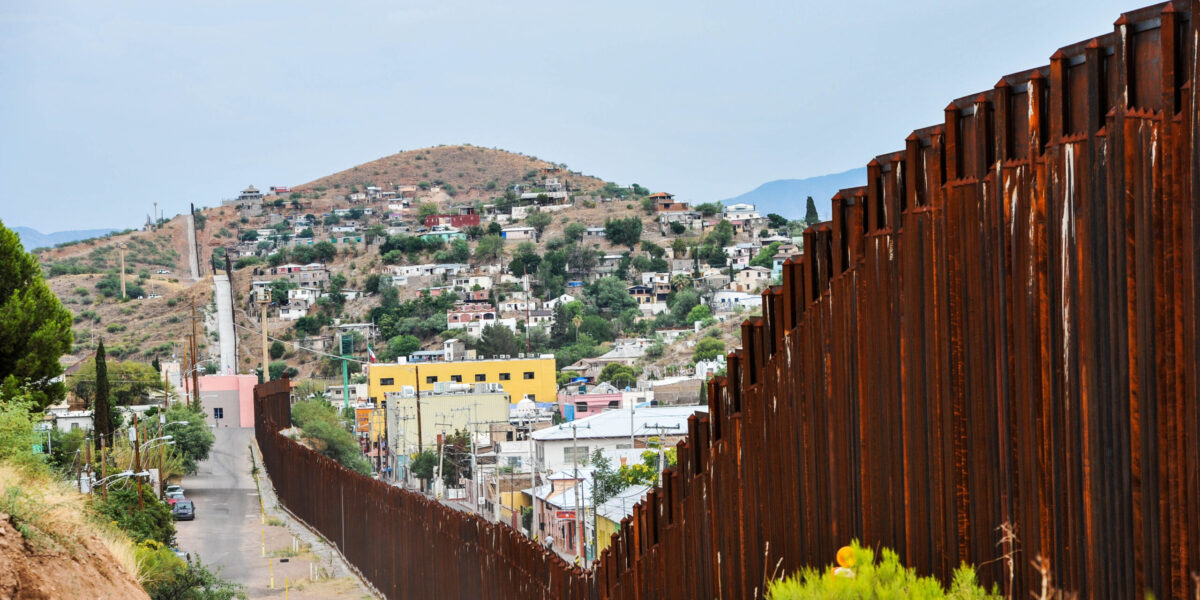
x: 228, y: 400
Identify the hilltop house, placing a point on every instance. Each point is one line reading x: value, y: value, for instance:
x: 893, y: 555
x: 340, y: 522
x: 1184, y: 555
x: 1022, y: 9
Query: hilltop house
x: 664, y: 202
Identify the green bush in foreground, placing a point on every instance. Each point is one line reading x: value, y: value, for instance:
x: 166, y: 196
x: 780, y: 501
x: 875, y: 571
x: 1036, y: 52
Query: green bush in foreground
x: 868, y: 579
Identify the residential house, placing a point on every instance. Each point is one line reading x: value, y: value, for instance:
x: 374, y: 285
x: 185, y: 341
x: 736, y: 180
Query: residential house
x: 727, y: 300
x: 751, y: 279
x: 461, y: 314
x: 554, y: 303
x: 473, y: 280
x: 540, y: 318
x: 307, y: 295
x: 310, y: 274
x: 740, y: 211
x: 609, y: 431
x: 444, y: 233
x: 664, y: 202
x: 518, y: 233
x: 458, y: 221
x: 593, y: 233
x: 611, y: 512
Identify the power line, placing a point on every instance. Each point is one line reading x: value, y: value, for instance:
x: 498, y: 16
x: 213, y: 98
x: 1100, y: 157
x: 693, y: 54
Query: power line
x: 297, y: 346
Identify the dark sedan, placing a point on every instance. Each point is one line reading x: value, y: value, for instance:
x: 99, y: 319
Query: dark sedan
x: 184, y: 510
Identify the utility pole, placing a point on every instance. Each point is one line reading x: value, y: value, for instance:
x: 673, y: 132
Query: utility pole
x: 162, y: 421
x: 417, y: 387
x: 137, y: 460
x: 266, y: 371
x: 661, y: 445
x: 579, y: 542
x: 533, y: 530
x: 345, y: 369
x: 103, y: 465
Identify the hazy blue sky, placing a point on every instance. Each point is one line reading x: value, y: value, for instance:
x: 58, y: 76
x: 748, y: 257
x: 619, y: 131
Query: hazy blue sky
x: 106, y: 107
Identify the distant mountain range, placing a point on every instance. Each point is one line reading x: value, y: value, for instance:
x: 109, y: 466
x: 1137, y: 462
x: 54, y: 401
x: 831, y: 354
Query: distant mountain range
x: 787, y: 196
x: 32, y: 238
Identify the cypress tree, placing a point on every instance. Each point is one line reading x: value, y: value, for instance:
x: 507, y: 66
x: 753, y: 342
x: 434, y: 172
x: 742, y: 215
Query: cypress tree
x: 810, y: 213
x: 102, y: 411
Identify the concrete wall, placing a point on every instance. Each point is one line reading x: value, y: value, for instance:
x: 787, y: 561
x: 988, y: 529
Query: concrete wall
x: 228, y: 353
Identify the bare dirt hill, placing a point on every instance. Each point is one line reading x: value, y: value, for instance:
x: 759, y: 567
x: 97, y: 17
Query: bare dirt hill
x: 467, y: 172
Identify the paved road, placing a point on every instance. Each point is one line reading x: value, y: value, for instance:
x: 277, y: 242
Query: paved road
x: 227, y: 514
x: 229, y: 535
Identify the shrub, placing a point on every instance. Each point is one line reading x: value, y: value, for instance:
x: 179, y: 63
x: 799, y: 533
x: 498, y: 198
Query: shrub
x: 860, y: 575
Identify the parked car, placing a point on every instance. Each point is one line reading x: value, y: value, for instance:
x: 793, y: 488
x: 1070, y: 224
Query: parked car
x: 184, y: 556
x: 185, y: 510
x: 174, y: 488
x: 173, y: 497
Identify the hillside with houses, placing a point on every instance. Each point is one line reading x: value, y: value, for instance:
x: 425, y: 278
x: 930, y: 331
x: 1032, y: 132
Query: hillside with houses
x: 456, y: 247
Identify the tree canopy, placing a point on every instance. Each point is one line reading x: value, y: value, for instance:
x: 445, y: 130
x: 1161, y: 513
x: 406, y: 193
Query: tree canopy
x: 624, y: 232
x: 35, y: 329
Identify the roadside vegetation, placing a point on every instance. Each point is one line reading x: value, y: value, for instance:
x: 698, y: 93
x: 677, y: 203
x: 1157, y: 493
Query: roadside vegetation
x: 323, y: 430
x: 859, y: 574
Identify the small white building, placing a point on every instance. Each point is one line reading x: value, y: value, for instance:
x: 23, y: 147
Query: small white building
x: 556, y: 447
x: 518, y: 233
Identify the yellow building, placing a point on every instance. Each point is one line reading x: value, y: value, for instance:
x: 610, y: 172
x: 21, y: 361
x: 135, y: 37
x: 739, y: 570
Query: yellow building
x: 612, y: 511
x: 520, y: 377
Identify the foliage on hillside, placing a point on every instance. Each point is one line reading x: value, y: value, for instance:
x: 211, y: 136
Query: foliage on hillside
x: 35, y: 329
x: 324, y: 431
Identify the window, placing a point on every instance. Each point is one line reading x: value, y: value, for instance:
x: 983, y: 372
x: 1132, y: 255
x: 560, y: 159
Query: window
x: 505, y: 377
x: 514, y: 461
x: 572, y: 453
x: 218, y: 413
x: 528, y: 374
x: 532, y: 397
x: 387, y: 381
x: 431, y: 379
x: 624, y: 446
x: 480, y: 377
x: 456, y: 378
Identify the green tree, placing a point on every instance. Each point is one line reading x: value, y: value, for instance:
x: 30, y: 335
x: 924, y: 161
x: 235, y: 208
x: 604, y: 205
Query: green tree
x: 623, y: 232
x: 426, y: 209
x: 599, y: 328
x: 574, y: 231
x: 460, y: 251
x: 104, y: 421
x: 279, y: 290
x: 496, y: 340
x: 619, y: 375
x: 423, y: 465
x: 277, y: 349
x: 191, y: 434
x: 129, y: 382
x: 153, y: 521
x: 709, y: 209
x: 700, y: 312
x: 538, y: 220
x: 708, y: 349
x: 525, y: 259
x: 489, y: 248
x: 608, y: 295
x: 280, y: 369
x: 766, y: 256
x: 811, y: 217
x: 319, y: 422
x: 777, y: 221
x: 400, y: 345
x: 721, y: 234
x: 608, y: 483
x: 35, y: 329
x: 648, y: 205
x: 323, y: 251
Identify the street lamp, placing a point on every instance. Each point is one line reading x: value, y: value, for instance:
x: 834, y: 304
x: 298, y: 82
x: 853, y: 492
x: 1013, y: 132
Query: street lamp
x: 148, y: 442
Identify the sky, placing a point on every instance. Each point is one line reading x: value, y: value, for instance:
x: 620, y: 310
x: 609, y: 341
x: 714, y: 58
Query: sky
x: 107, y: 107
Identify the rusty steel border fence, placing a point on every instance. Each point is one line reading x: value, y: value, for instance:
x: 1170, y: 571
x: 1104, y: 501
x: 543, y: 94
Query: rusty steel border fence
x: 989, y: 353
